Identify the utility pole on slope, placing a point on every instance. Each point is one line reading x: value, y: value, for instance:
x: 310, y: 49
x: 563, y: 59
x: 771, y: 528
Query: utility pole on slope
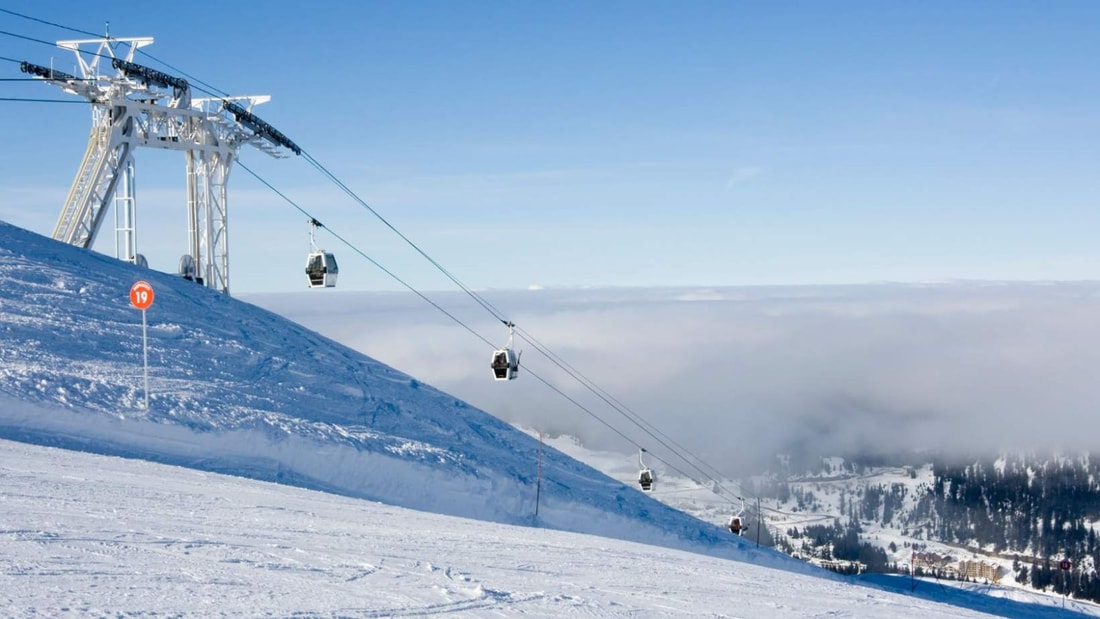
x: 538, y: 479
x: 759, y: 515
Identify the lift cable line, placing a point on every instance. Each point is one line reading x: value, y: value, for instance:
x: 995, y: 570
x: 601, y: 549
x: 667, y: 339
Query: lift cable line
x: 265, y: 131
x: 647, y: 427
x: 584, y: 381
x: 364, y: 255
x: 420, y: 294
x: 355, y: 197
x: 26, y: 38
x: 47, y: 22
x: 587, y: 383
x: 454, y: 318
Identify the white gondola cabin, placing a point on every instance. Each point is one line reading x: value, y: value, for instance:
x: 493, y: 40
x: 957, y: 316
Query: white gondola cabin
x: 646, y: 478
x: 505, y: 362
x: 736, y: 524
x: 321, y: 267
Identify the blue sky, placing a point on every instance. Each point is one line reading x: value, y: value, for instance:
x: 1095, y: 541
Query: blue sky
x: 617, y: 143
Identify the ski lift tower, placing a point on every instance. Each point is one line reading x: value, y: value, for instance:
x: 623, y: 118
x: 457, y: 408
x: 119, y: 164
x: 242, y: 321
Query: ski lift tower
x: 143, y: 107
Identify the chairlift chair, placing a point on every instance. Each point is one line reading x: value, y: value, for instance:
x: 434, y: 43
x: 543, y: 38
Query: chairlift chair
x: 321, y: 265
x: 646, y: 478
x: 505, y: 361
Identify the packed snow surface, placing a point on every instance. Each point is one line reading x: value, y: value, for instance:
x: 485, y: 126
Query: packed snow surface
x: 90, y: 535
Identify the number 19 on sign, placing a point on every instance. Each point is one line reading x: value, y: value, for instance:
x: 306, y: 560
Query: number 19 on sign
x: 141, y: 297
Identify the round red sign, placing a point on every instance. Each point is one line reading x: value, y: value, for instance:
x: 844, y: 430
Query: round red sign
x: 141, y: 295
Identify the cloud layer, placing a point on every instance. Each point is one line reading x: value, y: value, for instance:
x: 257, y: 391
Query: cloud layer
x: 739, y: 374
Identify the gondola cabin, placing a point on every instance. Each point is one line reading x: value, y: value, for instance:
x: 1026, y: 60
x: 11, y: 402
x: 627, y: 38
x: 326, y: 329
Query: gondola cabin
x: 736, y: 526
x: 322, y: 269
x: 505, y: 364
x: 646, y: 479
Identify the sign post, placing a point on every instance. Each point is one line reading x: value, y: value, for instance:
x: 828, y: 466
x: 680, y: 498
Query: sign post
x: 1065, y: 565
x: 141, y: 297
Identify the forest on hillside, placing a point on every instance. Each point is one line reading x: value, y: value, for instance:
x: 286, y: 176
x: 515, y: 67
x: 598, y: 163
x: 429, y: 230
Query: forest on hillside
x: 1038, y: 510
x: 1041, y: 510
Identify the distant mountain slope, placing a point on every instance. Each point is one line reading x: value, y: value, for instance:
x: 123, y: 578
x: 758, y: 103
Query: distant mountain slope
x: 237, y: 389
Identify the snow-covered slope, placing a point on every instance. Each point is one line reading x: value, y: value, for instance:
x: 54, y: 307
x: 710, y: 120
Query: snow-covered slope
x: 85, y: 535
x: 237, y: 389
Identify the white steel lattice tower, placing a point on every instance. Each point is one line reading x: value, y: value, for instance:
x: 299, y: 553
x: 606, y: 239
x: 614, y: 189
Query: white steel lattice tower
x: 143, y: 107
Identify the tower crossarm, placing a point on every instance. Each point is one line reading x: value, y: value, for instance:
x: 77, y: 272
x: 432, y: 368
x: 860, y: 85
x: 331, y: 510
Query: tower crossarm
x: 104, y: 48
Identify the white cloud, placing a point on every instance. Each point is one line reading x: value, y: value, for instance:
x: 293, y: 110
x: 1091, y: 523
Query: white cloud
x: 737, y: 374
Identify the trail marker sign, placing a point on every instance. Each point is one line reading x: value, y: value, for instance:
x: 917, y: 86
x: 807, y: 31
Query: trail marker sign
x: 141, y: 295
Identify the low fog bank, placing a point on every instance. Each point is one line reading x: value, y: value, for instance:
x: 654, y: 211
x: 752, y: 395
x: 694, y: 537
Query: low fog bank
x: 737, y: 375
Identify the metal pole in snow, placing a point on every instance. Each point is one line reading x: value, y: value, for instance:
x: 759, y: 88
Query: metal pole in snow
x: 538, y: 482
x: 145, y: 355
x: 141, y: 297
x: 913, y: 570
x: 758, y: 521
